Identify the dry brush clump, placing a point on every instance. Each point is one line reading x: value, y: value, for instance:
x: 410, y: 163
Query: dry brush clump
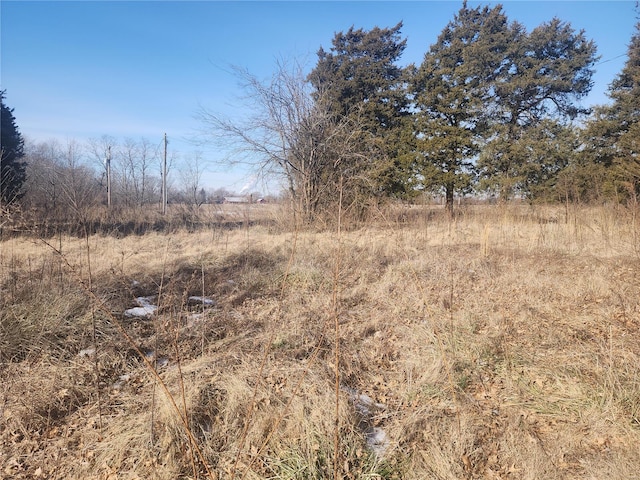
x: 501, y: 343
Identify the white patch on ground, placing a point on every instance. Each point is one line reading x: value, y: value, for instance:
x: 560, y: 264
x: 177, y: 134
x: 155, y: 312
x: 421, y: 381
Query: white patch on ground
x: 377, y: 441
x: 160, y: 362
x: 206, y: 301
x: 195, y: 319
x: 87, y: 352
x: 376, y: 437
x: 122, y: 379
x: 363, y: 403
x: 144, y: 309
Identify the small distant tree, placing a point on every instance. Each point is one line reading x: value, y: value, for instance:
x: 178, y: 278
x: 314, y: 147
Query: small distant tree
x: 136, y: 159
x: 101, y: 151
x: 191, y: 176
x: 12, y: 168
x: 218, y: 195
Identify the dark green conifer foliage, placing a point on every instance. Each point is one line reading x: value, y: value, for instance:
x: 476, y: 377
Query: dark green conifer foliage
x: 360, y: 79
x: 546, y: 73
x: 451, y: 92
x: 12, y: 169
x: 612, y: 136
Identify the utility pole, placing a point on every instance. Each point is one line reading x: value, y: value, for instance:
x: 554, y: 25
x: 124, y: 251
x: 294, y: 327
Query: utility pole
x: 109, y: 176
x: 164, y: 177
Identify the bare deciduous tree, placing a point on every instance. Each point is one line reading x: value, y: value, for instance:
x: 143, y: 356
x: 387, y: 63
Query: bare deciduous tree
x: 191, y: 176
x: 289, y: 133
x: 77, y: 181
x: 42, y: 186
x: 59, y: 180
x: 132, y: 161
x: 137, y: 157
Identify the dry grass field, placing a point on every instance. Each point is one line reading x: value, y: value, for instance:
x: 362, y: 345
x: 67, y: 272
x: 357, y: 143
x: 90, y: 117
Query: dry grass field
x: 503, y: 344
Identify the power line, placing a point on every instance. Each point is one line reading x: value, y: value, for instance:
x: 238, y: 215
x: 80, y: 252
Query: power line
x: 610, y: 59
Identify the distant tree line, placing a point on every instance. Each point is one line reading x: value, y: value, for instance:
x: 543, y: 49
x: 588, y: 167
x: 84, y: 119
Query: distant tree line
x: 60, y: 183
x: 492, y: 110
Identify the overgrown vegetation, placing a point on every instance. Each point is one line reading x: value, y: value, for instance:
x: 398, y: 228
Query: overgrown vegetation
x: 351, y: 336
x: 501, y: 343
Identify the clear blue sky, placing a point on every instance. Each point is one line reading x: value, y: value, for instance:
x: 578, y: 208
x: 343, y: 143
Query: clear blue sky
x: 84, y: 69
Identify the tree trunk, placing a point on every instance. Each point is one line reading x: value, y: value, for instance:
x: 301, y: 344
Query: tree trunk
x: 449, y: 199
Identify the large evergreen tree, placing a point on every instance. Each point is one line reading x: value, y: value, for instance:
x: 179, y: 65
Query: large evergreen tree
x: 546, y: 73
x: 451, y: 89
x: 612, y: 136
x: 12, y: 169
x: 360, y: 79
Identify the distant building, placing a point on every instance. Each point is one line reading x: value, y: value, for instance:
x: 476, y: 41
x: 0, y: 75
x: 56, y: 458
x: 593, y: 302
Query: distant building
x: 244, y: 199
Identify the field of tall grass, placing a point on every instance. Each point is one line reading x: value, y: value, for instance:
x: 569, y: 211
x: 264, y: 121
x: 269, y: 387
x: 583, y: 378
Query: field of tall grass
x: 501, y: 344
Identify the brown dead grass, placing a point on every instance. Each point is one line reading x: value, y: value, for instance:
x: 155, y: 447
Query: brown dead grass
x: 502, y: 344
